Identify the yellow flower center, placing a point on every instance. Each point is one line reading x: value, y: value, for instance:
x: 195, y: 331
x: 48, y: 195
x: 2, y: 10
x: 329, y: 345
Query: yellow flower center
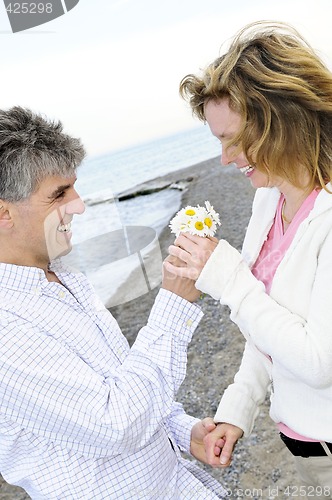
x: 208, y: 222
x: 190, y: 211
x: 199, y: 225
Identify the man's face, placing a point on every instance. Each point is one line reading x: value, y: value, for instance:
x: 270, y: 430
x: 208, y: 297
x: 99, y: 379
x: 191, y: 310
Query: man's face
x: 42, y: 223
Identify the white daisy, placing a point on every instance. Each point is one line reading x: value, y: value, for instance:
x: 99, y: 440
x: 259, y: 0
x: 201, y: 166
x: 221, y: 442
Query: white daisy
x: 198, y: 220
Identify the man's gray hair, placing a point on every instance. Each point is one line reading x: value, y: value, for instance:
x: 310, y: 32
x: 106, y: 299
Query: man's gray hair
x: 31, y: 149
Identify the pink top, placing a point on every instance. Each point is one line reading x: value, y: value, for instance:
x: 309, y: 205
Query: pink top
x: 271, y: 254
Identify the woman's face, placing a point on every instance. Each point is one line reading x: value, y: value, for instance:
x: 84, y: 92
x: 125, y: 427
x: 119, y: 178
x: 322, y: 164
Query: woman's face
x: 225, y: 123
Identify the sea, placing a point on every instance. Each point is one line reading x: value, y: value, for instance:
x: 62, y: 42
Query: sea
x: 115, y: 243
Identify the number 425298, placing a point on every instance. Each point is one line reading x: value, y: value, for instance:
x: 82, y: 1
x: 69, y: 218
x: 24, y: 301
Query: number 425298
x: 29, y: 8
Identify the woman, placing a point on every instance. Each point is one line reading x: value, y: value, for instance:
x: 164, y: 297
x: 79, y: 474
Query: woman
x: 269, y: 102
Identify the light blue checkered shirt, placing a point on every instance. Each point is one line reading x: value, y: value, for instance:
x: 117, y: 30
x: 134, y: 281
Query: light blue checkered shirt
x: 82, y: 415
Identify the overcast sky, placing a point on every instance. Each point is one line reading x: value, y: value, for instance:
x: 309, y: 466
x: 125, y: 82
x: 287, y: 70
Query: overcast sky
x: 110, y: 69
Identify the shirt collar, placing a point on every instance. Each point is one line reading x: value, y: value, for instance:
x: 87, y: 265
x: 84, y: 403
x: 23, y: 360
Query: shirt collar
x: 25, y: 278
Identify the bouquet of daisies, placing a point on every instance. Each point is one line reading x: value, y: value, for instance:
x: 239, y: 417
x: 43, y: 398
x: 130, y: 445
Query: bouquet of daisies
x: 202, y: 221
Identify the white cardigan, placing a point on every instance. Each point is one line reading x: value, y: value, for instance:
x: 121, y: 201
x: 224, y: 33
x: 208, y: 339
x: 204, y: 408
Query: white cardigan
x: 292, y: 325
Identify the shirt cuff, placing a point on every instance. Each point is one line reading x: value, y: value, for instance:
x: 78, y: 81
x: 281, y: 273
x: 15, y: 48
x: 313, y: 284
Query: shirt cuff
x: 181, y: 427
x: 173, y: 313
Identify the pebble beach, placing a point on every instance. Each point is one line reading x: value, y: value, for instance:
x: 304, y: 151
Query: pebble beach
x: 261, y: 466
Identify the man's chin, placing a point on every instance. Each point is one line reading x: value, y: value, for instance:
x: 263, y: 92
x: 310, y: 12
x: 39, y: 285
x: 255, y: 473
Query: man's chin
x: 60, y: 252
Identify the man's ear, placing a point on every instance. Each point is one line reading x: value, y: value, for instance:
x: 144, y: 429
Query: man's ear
x: 6, y: 221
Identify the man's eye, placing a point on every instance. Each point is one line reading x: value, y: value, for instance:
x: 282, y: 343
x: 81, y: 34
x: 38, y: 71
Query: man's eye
x: 59, y: 196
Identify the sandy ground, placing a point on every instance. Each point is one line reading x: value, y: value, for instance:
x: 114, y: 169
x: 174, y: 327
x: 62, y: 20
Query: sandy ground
x: 261, y: 467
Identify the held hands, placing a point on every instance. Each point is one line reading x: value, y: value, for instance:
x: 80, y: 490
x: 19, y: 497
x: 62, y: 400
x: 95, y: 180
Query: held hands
x: 213, y: 444
x: 183, y: 287
x: 199, y: 431
x: 220, y: 443
x: 192, y: 253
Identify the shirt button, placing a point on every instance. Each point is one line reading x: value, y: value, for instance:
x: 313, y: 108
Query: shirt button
x: 62, y: 294
x: 189, y: 323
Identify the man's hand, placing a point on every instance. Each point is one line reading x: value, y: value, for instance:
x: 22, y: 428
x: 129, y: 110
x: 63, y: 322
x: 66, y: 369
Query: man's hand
x: 193, y: 251
x: 199, y: 431
x: 184, y: 287
x: 220, y: 443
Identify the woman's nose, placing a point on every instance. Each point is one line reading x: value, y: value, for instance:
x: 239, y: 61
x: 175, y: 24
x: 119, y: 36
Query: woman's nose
x: 225, y: 159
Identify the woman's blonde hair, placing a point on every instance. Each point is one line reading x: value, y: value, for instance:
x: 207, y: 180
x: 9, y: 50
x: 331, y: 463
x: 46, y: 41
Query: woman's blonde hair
x: 283, y: 92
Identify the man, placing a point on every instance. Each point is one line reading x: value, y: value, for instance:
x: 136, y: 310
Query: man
x: 82, y: 415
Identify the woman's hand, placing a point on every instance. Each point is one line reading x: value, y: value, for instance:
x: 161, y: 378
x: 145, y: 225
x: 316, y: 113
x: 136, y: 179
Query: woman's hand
x: 193, y: 252
x: 198, y: 433
x: 220, y: 443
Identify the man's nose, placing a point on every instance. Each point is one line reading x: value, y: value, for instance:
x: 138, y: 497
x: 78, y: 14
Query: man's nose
x: 75, y: 206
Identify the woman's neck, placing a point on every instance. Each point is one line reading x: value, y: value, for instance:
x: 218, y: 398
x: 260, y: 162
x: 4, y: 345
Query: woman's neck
x: 294, y: 197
